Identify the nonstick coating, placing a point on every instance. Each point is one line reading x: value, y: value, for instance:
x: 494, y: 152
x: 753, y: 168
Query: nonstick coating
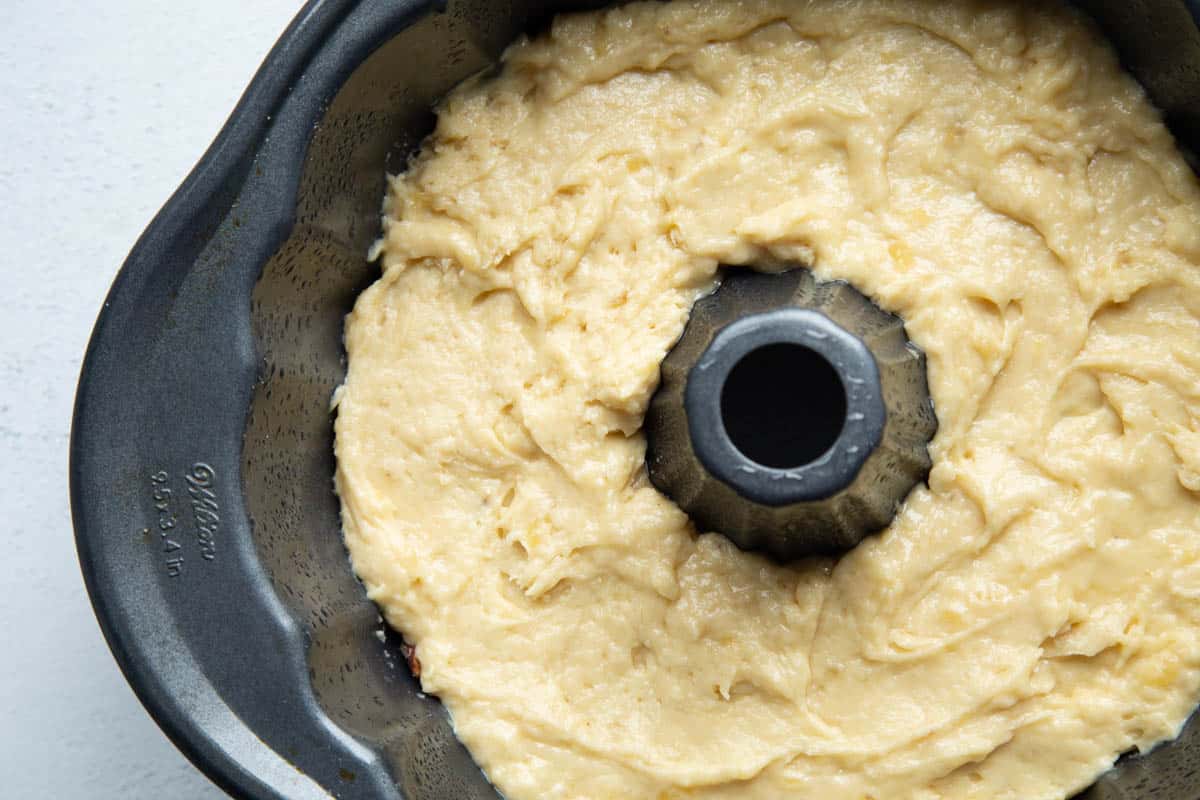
x: 201, y: 452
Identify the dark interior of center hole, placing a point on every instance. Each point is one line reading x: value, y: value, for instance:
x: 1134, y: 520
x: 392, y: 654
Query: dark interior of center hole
x: 783, y: 405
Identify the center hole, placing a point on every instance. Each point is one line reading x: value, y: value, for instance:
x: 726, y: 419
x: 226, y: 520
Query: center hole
x: 783, y: 405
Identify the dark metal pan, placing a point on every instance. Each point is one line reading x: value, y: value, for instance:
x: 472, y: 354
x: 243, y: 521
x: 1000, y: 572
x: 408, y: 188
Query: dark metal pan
x: 201, y: 451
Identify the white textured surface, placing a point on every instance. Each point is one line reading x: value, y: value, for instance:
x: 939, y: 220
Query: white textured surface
x: 104, y: 107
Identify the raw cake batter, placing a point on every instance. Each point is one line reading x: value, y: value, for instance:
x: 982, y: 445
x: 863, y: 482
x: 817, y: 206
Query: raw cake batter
x: 984, y: 170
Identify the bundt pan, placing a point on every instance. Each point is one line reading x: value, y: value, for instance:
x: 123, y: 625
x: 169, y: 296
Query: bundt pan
x: 201, y: 451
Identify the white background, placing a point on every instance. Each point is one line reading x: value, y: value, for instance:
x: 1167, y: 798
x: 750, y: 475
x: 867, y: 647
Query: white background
x: 104, y: 108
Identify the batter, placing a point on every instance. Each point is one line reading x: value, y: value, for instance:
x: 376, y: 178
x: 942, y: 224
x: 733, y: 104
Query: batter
x: 984, y: 170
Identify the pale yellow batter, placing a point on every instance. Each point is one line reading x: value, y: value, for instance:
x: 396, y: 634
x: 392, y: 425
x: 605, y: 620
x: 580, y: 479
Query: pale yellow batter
x: 984, y: 170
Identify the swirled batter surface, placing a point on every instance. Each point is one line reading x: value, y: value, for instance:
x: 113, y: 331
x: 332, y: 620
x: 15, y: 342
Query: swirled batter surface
x: 984, y: 170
